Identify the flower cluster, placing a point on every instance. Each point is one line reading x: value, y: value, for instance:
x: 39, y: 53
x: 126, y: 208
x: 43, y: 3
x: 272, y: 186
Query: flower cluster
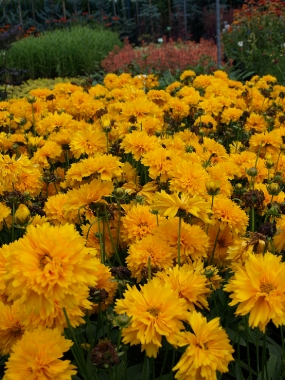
x: 143, y: 202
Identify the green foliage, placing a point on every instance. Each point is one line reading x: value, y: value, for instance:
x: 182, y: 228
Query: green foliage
x: 255, y: 42
x: 68, y: 52
x: 33, y: 84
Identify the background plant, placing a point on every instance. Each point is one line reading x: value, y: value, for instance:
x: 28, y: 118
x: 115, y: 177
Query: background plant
x: 68, y: 52
x: 256, y: 39
x: 170, y: 56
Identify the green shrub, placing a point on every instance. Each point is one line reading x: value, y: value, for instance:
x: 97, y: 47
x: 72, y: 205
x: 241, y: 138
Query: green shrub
x: 256, y: 40
x: 68, y: 52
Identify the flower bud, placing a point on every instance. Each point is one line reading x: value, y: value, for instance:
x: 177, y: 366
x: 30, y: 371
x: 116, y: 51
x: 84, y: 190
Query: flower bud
x: 213, y: 187
x: 22, y: 215
x: 122, y: 320
x: 273, y: 189
x: 31, y: 99
x: 252, y: 172
x: 119, y: 192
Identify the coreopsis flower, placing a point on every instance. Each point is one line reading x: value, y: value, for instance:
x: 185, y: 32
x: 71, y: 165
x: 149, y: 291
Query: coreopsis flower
x: 179, y: 108
x: 12, y: 318
x: 49, y: 152
x: 87, y: 194
x: 224, y: 241
x: 29, y: 181
x: 208, y: 349
x: 155, y: 311
x: 12, y: 167
x: 170, y: 204
x: 55, y: 211
x: 190, y: 285
x: 48, y: 269
x: 37, y: 356
x: 138, y: 143
x: 89, y: 141
x: 229, y: 213
x: 202, y: 81
x: 138, y: 223
x: 213, y: 106
x: 257, y: 122
x: 266, y: 142
x: 258, y: 288
x: 5, y: 211
x: 231, y: 114
x: 214, y: 151
x: 53, y: 122
x: 279, y: 237
x: 150, y: 247
x: 189, y: 178
x: 160, y: 162
x: 194, y: 242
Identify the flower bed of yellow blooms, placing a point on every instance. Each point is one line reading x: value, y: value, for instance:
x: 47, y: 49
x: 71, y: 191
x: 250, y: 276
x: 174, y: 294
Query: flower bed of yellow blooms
x: 143, y: 220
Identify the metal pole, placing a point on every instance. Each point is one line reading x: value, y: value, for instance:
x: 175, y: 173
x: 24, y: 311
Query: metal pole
x: 218, y: 30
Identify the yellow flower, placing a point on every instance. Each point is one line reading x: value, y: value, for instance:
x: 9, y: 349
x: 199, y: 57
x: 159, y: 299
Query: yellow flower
x: 189, y: 178
x: 190, y: 285
x: 138, y: 143
x: 156, y: 311
x: 48, y: 269
x: 153, y: 248
x: 229, y: 213
x: 208, y: 349
x: 55, y: 212
x: 37, y: 356
x: 138, y: 223
x: 279, y: 237
x: 160, y: 162
x: 169, y: 204
x: 89, y: 141
x: 22, y: 215
x: 49, y: 152
x: 193, y: 240
x: 11, y: 325
x: 88, y: 193
x: 259, y: 289
x: 257, y: 122
x: 4, y: 211
x: 225, y: 240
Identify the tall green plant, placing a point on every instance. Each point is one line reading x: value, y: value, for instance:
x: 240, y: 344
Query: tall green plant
x: 67, y: 52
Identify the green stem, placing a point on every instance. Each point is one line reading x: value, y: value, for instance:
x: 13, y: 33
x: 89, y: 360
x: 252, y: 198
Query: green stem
x: 164, y: 362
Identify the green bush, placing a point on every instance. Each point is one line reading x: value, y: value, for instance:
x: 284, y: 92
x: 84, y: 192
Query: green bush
x: 256, y: 40
x: 68, y: 52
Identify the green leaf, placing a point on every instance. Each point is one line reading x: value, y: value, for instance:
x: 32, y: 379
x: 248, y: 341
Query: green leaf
x: 134, y: 372
x: 234, y: 337
x: 239, y: 375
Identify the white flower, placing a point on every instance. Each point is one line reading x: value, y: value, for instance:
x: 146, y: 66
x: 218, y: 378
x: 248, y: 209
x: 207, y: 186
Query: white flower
x: 160, y: 40
x: 240, y: 43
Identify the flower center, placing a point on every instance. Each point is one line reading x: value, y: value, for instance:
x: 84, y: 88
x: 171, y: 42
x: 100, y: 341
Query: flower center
x: 266, y: 288
x: 154, y: 311
x: 44, y: 260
